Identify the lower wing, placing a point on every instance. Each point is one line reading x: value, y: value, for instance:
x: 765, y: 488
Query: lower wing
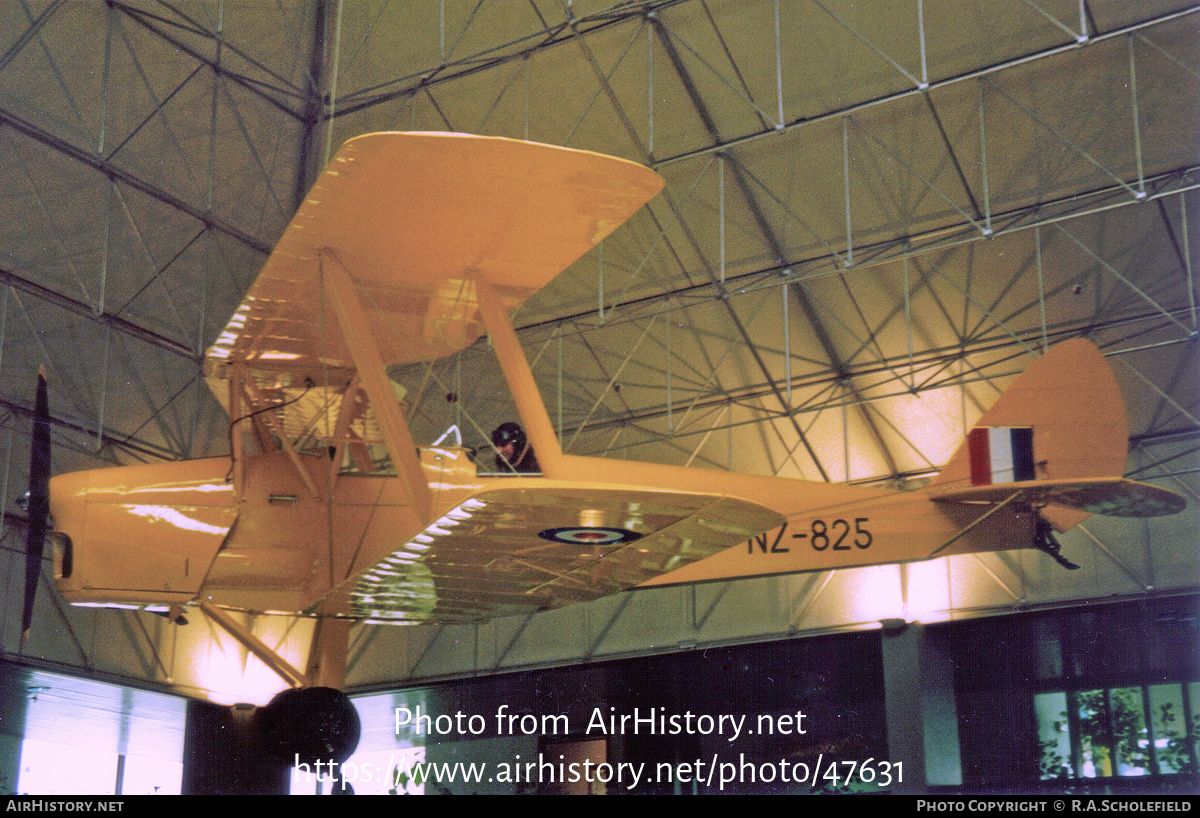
x: 535, y: 547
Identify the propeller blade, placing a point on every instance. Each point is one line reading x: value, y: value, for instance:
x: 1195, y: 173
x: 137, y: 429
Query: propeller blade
x: 39, y: 500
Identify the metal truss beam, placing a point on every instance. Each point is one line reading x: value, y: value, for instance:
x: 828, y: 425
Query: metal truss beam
x: 106, y: 319
x: 909, y: 245
x: 118, y: 174
x: 318, y: 92
x: 152, y: 22
x: 447, y: 71
x: 769, y: 236
x: 139, y: 448
x: 29, y: 33
x: 836, y: 113
x: 933, y: 360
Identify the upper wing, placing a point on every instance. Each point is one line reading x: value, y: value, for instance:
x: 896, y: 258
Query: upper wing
x: 1113, y: 496
x: 413, y: 219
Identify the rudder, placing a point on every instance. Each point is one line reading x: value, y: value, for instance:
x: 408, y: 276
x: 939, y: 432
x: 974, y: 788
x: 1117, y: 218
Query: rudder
x: 1070, y: 400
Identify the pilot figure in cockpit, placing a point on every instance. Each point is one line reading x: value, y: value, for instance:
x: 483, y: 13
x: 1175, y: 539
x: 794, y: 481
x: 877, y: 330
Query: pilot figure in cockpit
x: 513, y: 452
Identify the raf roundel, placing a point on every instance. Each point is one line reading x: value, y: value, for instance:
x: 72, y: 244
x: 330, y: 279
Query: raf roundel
x: 589, y: 535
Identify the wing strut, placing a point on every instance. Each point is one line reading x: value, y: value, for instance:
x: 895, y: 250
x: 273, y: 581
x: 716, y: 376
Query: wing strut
x: 520, y: 381
x: 256, y: 646
x: 327, y: 659
x: 1043, y: 536
x: 977, y: 521
x: 255, y: 399
x: 342, y: 293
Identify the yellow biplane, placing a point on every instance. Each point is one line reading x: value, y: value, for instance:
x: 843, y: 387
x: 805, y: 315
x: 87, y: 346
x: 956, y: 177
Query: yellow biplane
x: 412, y: 246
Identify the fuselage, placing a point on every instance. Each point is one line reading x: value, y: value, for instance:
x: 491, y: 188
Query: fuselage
x: 178, y: 533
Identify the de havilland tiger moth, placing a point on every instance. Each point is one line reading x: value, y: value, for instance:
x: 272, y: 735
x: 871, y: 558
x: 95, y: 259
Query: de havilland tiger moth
x: 409, y: 248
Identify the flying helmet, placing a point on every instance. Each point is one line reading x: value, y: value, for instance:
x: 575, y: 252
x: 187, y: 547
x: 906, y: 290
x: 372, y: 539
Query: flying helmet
x: 509, y: 432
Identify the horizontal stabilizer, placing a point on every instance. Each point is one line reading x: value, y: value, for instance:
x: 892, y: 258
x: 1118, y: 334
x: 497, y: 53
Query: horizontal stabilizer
x: 1111, y: 496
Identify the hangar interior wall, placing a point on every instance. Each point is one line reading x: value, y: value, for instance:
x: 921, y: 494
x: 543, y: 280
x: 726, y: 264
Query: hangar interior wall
x: 1102, y: 698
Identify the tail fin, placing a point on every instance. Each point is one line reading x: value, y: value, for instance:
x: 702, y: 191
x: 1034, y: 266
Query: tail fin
x: 1070, y: 402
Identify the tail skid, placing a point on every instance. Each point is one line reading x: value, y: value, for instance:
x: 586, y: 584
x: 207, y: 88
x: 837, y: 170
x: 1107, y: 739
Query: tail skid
x: 1045, y: 541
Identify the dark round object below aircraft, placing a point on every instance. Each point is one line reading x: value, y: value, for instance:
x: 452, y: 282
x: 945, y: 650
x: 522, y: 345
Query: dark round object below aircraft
x: 589, y: 535
x: 311, y: 724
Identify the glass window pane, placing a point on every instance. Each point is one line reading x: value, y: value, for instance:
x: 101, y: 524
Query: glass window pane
x: 1131, y: 742
x: 152, y: 776
x: 1095, y: 745
x: 61, y: 769
x: 1054, y: 738
x: 1169, y: 724
x: 1194, y: 699
x: 101, y: 722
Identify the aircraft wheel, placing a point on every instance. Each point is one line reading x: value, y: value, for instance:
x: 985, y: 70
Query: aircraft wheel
x: 311, y: 724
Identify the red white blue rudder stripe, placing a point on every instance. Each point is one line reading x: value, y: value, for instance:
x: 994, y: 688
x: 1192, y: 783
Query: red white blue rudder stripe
x: 1000, y: 455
